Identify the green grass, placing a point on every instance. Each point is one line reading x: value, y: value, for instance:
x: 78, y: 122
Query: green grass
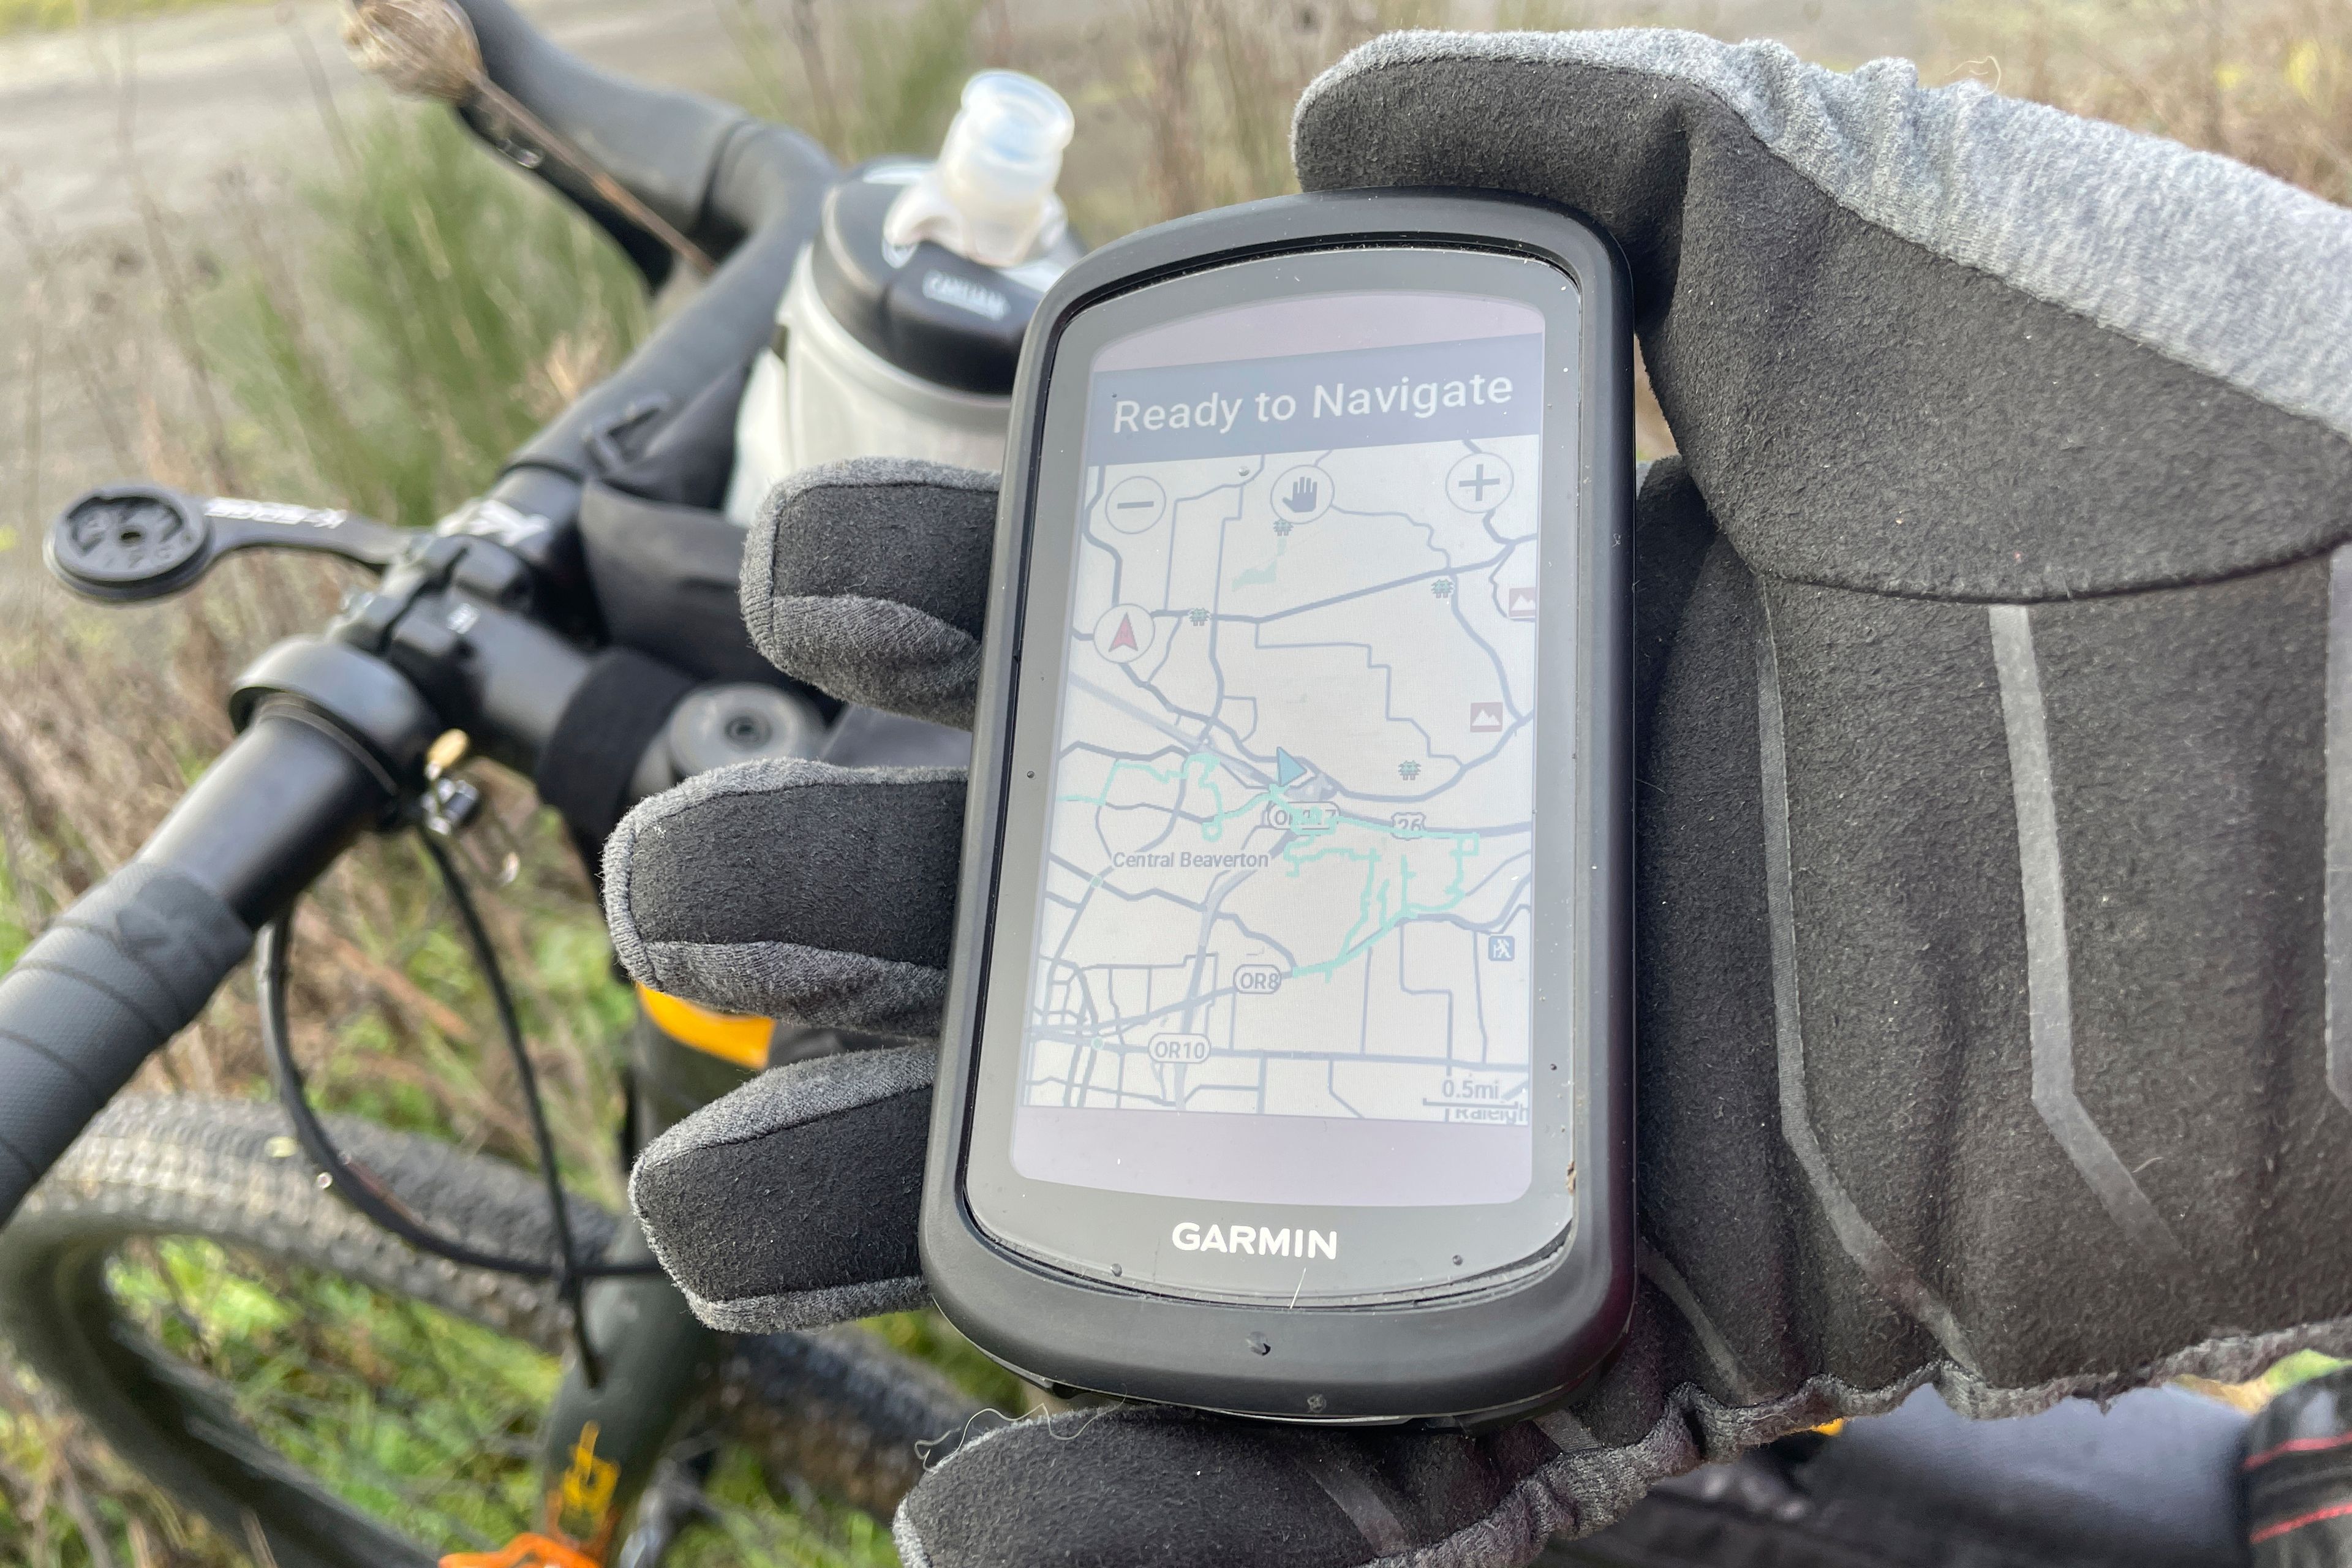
x: 443, y: 308
x: 929, y: 1337
x: 423, y: 1421
x: 406, y: 1411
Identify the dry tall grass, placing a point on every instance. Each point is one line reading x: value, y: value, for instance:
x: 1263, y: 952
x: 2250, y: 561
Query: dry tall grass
x: 2268, y: 82
x: 382, y: 345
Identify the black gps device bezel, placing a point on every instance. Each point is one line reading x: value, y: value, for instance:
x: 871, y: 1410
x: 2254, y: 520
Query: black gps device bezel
x: 1490, y: 1344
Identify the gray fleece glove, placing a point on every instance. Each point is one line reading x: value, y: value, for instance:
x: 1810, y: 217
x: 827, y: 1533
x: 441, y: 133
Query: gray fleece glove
x: 1995, y: 836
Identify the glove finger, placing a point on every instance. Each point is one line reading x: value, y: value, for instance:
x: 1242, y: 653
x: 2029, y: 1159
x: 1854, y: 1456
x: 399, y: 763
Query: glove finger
x: 1170, y: 1487
x: 820, y: 896
x: 793, y: 1202
x: 868, y: 579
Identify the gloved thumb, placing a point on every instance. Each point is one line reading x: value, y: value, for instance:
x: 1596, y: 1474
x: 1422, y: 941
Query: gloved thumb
x: 1927, y: 342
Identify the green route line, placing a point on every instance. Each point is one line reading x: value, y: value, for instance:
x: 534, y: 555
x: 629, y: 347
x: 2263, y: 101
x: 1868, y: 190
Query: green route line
x: 1210, y: 764
x: 1298, y: 854
x: 1465, y: 846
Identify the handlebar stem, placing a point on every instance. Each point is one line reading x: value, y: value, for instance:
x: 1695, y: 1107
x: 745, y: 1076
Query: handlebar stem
x: 448, y: 621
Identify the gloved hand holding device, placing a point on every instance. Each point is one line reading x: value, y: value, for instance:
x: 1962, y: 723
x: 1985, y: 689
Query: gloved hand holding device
x: 1994, y: 826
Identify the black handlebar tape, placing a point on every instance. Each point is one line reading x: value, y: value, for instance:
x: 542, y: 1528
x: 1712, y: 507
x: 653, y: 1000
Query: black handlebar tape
x: 738, y: 187
x: 716, y: 334
x: 118, y: 974
x: 660, y: 144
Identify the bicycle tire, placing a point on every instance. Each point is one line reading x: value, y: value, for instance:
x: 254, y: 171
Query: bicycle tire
x: 837, y: 1410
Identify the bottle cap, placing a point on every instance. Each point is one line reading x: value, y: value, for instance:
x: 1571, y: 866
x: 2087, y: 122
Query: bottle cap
x: 990, y: 198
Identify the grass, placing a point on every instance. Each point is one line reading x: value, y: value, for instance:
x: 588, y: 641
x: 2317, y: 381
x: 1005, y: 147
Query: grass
x: 437, y: 318
x: 389, y: 1397
x: 380, y: 337
x: 384, y: 339
x: 2268, y: 82
x: 862, y: 80
x: 418, y: 1416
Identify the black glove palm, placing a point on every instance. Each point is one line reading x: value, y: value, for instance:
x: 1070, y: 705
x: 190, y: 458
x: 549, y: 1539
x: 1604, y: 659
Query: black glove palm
x: 1987, y: 704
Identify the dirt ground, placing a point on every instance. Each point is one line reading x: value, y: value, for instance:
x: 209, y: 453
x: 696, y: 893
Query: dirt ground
x: 186, y: 95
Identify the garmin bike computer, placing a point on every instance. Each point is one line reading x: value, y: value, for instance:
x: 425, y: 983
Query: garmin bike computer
x: 1287, y: 1057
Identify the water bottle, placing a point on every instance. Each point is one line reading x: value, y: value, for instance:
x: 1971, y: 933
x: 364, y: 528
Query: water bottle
x: 900, y: 332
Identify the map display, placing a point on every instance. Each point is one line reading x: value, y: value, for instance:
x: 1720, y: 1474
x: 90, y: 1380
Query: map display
x: 1287, y: 869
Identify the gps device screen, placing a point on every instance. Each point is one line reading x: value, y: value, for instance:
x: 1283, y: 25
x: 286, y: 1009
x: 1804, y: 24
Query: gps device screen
x: 1276, y: 954
x: 1290, y: 972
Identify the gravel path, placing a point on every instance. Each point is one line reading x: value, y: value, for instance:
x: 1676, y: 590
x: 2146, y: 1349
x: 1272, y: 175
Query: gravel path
x: 197, y: 91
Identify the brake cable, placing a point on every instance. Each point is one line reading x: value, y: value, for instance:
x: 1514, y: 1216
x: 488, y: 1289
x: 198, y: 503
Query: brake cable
x: 350, y: 1180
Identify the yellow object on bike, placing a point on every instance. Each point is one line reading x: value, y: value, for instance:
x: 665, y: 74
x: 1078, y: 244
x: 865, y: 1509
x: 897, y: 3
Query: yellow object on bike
x: 727, y: 1036
x: 523, y: 1552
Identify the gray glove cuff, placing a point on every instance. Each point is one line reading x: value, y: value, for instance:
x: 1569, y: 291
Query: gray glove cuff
x: 1938, y: 344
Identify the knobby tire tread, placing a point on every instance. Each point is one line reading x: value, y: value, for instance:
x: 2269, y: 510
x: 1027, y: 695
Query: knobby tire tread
x: 837, y: 1409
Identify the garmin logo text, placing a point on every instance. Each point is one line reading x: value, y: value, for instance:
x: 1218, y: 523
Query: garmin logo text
x: 1259, y: 1241
x: 965, y: 295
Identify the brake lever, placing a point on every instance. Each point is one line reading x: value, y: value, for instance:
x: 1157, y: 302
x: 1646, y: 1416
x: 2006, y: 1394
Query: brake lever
x: 123, y: 543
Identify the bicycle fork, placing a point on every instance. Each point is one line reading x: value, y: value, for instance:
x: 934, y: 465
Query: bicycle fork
x: 603, y: 1440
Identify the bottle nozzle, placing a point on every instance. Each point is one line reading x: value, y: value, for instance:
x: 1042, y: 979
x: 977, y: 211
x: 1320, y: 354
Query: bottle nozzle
x: 991, y: 197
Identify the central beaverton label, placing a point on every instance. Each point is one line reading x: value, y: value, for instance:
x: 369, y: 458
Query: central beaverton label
x: 1288, y: 847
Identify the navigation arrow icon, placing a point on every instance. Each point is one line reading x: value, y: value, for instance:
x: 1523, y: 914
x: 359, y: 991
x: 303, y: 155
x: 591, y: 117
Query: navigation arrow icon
x: 1288, y: 770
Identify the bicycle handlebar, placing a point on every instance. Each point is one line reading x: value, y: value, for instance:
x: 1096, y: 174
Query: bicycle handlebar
x: 137, y: 957
x: 735, y: 185
x: 660, y: 144
x: 334, y: 727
